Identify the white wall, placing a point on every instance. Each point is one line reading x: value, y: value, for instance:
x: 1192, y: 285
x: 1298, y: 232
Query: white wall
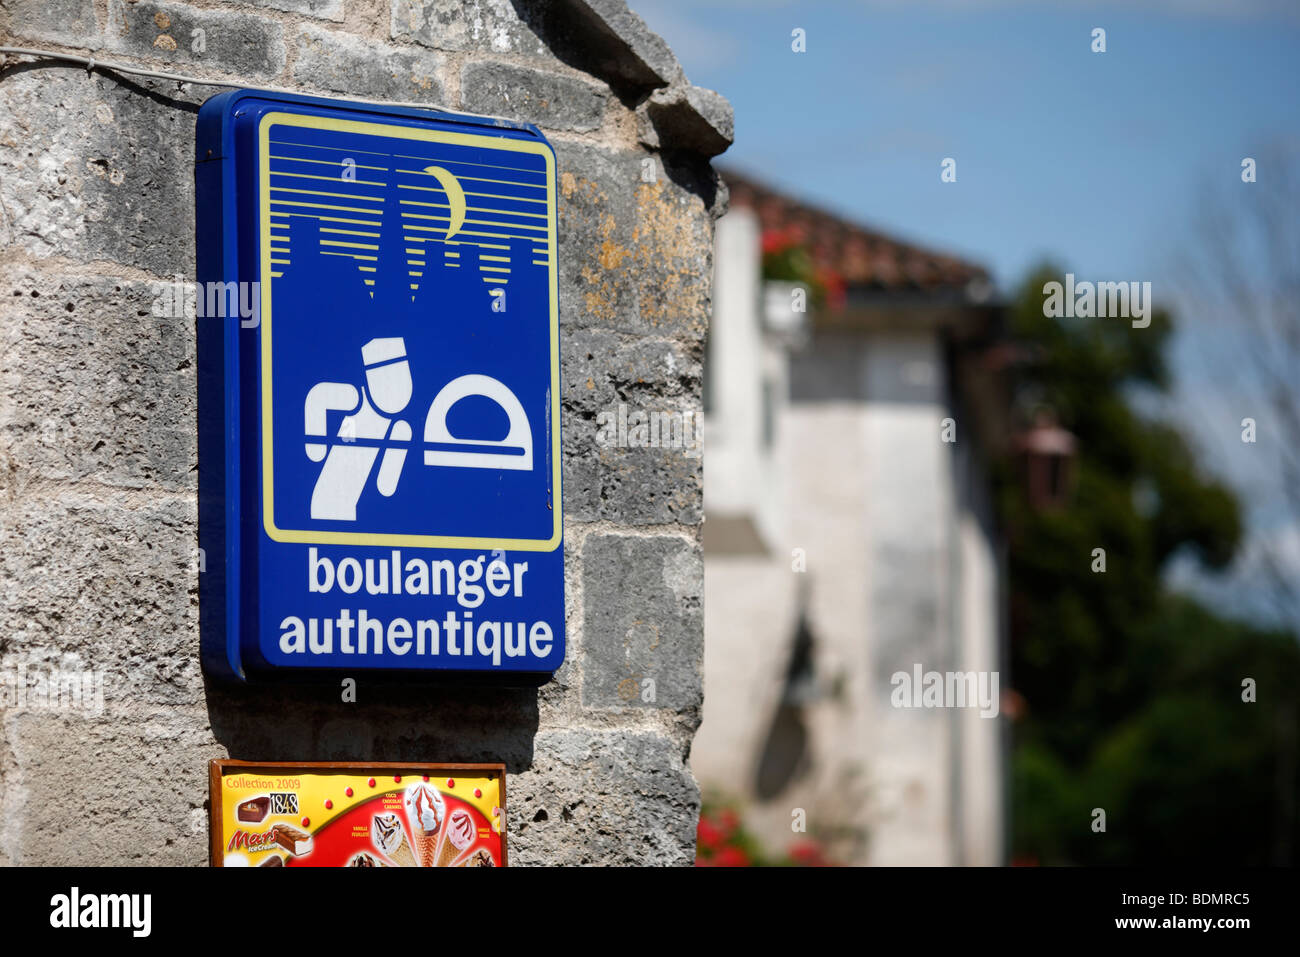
x: 901, y: 568
x: 981, y: 739
x: 742, y: 474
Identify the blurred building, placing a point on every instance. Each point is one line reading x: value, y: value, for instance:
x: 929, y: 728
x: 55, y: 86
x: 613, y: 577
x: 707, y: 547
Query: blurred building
x: 846, y: 540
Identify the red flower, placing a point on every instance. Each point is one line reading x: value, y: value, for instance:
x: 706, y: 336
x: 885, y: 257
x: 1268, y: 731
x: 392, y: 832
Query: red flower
x: 776, y: 241
x: 731, y: 857
x: 833, y: 283
x: 708, y: 835
x: 807, y: 854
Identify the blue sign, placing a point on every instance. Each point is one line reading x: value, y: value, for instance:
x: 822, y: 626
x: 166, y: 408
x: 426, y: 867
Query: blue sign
x: 378, y: 332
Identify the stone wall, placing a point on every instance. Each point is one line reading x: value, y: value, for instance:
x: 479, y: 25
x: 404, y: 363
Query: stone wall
x: 98, y: 435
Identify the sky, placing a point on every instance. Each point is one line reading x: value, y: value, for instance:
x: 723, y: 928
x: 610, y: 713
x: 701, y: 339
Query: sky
x: 1089, y: 158
x: 1097, y: 162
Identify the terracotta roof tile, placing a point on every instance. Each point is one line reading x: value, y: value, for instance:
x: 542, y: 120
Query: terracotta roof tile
x: 860, y: 256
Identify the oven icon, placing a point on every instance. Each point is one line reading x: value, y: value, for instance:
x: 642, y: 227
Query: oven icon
x: 515, y: 451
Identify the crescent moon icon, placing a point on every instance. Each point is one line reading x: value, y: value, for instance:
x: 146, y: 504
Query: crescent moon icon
x: 455, y: 197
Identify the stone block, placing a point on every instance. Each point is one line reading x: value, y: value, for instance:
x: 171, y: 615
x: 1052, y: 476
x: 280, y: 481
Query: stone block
x: 549, y: 100
x: 485, y: 25
x: 329, y: 60
x: 67, y: 22
x: 91, y: 169
x: 100, y: 389
x: 113, y: 791
x: 689, y: 118
x: 109, y: 582
x: 320, y: 9
x: 639, y: 245
x: 608, y: 799
x: 236, y: 43
x: 643, y: 634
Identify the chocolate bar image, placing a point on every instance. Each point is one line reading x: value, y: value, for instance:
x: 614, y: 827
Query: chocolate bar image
x: 275, y: 860
x: 294, y: 841
x: 254, y: 810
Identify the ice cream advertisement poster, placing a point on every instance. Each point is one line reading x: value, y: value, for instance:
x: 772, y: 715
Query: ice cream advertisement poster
x: 332, y: 814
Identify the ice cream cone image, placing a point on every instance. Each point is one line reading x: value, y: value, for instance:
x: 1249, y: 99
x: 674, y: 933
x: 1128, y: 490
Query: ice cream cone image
x: 460, y: 835
x: 389, y: 838
x: 426, y: 845
x: 425, y: 810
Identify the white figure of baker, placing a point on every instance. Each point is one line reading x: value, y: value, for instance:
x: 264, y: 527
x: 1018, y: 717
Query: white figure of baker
x: 350, y: 458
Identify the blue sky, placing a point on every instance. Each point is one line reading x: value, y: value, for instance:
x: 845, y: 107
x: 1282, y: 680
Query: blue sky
x: 1092, y: 158
x: 1100, y: 162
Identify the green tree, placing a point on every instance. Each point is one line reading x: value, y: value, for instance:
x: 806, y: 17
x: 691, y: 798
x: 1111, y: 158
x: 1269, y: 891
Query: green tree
x: 1133, y: 696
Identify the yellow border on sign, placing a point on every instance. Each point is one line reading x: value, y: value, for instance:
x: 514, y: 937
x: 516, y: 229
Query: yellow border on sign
x: 264, y: 212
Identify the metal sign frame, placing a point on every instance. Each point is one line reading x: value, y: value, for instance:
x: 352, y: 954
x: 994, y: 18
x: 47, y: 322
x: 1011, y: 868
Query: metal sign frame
x: 395, y: 187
